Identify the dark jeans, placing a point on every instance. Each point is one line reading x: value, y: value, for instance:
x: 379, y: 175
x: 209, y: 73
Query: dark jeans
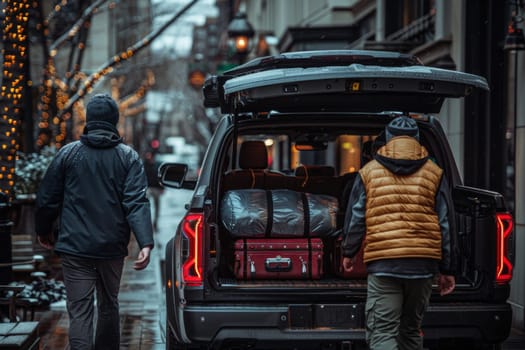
x: 82, y: 277
x: 394, y: 312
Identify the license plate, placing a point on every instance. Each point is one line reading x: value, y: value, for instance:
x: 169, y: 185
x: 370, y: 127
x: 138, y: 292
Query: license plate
x: 342, y: 316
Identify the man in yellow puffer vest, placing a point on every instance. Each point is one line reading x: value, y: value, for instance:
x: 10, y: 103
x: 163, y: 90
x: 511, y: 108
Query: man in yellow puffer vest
x: 399, y: 205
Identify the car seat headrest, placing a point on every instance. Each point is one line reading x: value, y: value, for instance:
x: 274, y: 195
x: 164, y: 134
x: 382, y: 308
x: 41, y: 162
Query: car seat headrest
x: 253, y: 155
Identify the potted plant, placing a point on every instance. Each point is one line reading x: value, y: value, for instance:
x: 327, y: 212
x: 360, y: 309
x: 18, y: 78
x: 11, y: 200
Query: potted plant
x: 29, y: 172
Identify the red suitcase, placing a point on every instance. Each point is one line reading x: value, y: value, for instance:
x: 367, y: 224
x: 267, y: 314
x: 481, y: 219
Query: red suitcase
x: 359, y: 270
x: 278, y: 258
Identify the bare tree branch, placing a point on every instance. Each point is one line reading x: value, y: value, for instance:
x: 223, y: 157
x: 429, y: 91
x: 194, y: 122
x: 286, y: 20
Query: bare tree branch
x: 88, y: 12
x: 105, y: 68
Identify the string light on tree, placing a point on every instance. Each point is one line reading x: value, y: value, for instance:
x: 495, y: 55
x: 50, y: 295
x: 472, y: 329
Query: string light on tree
x: 14, y: 82
x: 60, y: 104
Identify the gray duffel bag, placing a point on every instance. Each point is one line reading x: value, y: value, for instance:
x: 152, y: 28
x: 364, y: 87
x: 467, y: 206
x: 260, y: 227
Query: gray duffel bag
x: 278, y: 213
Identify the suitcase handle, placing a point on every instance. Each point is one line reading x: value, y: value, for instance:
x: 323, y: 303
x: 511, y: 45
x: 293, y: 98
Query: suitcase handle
x: 278, y: 264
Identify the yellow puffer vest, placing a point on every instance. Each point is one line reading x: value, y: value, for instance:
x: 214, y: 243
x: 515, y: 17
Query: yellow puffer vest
x: 401, y: 221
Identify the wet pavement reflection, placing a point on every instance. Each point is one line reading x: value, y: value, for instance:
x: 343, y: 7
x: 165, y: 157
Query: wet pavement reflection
x: 141, y: 293
x: 141, y: 298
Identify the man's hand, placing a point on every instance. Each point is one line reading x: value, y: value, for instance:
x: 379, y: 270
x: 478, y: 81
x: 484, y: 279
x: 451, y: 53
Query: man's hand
x: 348, y: 264
x: 47, y: 242
x: 446, y: 284
x: 143, y: 258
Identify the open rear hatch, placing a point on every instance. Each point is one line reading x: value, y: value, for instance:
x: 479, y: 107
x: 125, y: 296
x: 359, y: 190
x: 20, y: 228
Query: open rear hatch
x: 346, y: 81
x: 354, y: 88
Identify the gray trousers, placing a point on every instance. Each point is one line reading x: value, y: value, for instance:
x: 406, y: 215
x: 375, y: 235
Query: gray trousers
x: 394, y: 312
x: 82, y: 278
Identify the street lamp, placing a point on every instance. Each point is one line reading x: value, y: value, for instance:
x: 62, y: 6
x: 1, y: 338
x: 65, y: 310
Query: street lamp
x: 240, y: 34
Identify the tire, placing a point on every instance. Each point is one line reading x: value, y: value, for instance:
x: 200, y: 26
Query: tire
x: 173, y: 344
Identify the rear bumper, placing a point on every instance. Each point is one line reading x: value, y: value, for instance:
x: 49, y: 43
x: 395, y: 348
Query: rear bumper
x: 491, y: 323
x: 259, y: 325
x: 264, y: 327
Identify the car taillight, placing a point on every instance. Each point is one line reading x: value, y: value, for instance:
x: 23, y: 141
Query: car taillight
x: 192, y: 266
x: 504, y: 228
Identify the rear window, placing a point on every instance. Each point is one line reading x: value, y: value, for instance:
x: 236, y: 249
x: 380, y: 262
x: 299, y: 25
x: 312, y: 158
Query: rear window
x: 317, y: 145
x: 344, y: 153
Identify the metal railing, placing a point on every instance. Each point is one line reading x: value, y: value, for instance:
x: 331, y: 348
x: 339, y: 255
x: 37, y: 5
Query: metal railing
x: 421, y: 30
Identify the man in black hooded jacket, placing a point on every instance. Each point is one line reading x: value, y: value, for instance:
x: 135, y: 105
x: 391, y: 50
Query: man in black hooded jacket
x: 96, y: 187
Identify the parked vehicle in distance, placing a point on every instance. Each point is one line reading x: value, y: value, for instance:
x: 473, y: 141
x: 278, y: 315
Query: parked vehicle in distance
x: 255, y: 262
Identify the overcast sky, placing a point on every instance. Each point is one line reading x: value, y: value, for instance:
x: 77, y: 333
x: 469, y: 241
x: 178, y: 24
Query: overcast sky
x: 176, y: 40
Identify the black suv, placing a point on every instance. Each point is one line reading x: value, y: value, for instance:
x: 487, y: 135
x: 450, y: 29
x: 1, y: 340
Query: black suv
x: 255, y: 262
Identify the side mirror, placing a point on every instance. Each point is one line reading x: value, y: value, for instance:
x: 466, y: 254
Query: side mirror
x: 174, y: 175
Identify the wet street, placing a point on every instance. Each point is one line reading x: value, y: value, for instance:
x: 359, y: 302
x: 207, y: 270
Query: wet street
x: 142, y: 295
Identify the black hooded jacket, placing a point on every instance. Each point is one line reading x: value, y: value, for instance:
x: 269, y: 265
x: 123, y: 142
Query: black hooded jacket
x: 97, y: 188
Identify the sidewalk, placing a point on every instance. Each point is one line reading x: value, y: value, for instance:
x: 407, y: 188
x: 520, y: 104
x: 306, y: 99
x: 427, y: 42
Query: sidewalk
x: 141, y: 292
x: 141, y: 298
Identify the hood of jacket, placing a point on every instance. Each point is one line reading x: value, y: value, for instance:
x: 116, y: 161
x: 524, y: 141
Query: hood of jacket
x: 402, y: 155
x: 100, y: 134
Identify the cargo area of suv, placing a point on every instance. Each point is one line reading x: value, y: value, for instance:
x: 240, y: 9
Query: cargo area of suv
x: 256, y: 261
x: 291, y: 180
